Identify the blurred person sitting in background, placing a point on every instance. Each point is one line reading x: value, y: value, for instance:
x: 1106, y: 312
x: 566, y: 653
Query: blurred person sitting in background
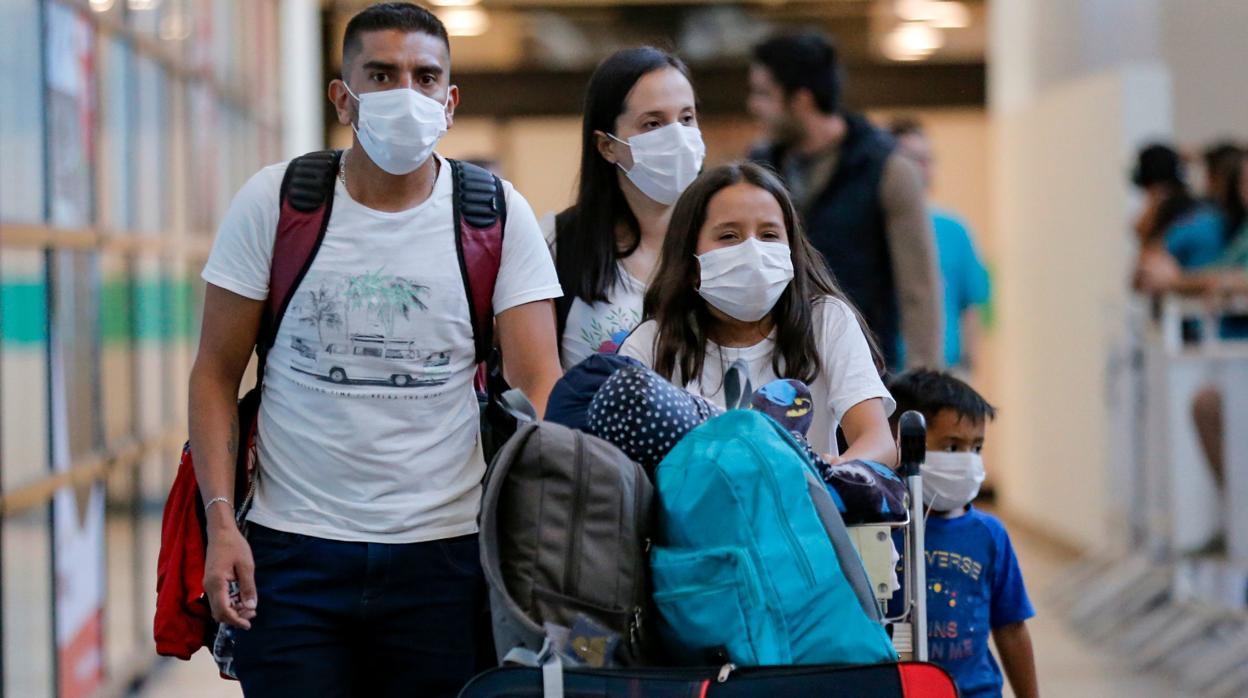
x: 1173, y: 220
x: 861, y: 200
x: 964, y: 275
x: 1221, y: 161
x: 1160, y: 273
x: 640, y: 148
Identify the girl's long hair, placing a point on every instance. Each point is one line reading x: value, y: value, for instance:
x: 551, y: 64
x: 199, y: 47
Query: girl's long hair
x: 684, y: 320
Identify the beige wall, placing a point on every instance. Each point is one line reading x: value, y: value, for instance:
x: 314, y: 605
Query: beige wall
x: 1062, y: 202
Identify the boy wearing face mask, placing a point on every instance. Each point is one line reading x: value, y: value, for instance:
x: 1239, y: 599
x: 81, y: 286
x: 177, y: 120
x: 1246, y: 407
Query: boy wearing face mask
x: 974, y: 585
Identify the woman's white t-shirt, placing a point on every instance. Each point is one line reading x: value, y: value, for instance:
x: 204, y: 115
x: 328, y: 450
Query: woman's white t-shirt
x: 598, y: 328
x: 369, y: 423
x: 847, y: 374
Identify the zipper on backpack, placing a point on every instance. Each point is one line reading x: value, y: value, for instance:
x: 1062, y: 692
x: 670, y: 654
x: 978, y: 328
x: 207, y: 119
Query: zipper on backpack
x: 578, y: 511
x: 794, y: 543
x: 724, y: 671
x: 634, y: 628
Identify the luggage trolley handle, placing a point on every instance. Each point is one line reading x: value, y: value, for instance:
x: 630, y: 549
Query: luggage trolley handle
x: 913, y: 443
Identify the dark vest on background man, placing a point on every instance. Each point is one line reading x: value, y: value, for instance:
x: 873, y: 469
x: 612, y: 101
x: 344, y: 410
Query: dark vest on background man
x: 845, y: 222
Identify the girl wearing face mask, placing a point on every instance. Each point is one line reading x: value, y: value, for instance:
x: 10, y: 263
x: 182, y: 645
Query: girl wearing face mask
x: 739, y: 281
x: 640, y: 148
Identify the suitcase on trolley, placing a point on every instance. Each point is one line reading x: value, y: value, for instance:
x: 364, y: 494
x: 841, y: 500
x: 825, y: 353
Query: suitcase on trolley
x: 901, y: 680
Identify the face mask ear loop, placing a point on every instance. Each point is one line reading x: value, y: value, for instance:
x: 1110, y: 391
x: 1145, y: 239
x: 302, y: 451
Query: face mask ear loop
x: 357, y: 109
x: 626, y: 144
x: 929, y: 511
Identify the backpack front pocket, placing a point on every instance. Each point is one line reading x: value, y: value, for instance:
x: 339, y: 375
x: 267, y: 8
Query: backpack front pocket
x: 711, y: 602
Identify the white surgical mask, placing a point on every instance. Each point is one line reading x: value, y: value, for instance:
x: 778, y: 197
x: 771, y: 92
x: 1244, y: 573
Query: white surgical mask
x: 745, y: 281
x: 951, y: 480
x: 399, y: 128
x: 665, y: 161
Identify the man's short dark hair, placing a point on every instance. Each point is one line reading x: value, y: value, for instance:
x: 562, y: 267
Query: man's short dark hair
x: 403, y: 16
x: 929, y: 392
x: 806, y: 60
x: 906, y: 126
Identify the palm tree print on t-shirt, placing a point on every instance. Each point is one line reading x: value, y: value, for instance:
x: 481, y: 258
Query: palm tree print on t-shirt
x: 364, y: 331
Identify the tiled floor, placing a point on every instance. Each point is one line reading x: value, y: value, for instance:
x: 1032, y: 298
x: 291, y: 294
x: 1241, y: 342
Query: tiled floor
x: 1067, y: 667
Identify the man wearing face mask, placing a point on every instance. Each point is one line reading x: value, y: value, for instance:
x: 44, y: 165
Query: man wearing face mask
x: 359, y: 574
x: 974, y: 585
x: 861, y: 201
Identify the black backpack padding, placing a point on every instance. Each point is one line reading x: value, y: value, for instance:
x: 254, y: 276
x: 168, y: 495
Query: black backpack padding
x: 565, y: 522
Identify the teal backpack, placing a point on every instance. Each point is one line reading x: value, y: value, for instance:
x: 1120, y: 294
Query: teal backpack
x: 753, y: 564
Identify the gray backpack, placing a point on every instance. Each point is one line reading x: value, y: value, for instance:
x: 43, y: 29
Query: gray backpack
x: 565, y: 526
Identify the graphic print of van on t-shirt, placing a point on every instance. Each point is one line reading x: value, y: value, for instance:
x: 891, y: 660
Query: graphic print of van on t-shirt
x: 360, y: 329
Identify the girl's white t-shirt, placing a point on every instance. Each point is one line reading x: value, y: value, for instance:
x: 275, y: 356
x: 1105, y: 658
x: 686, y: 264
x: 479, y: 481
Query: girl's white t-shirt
x: 598, y: 328
x: 847, y: 374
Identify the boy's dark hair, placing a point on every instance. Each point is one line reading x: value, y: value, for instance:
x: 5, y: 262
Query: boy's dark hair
x: 403, y: 16
x: 806, y: 60
x: 929, y: 392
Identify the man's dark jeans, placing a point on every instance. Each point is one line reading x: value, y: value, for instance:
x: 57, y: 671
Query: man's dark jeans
x: 360, y: 619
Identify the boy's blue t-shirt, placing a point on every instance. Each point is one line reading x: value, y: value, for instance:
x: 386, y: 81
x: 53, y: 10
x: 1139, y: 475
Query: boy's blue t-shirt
x: 973, y: 585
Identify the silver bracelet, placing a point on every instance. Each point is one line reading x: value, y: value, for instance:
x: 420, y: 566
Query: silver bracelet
x: 214, y: 500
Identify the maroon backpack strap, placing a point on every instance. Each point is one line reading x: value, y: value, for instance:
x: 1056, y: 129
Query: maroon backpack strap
x: 307, y: 198
x: 480, y: 209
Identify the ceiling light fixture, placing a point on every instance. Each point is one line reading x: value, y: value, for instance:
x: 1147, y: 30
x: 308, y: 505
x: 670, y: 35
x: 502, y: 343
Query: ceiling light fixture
x: 101, y: 5
x: 454, y: 3
x: 912, y: 41
x: 465, y: 21
x: 942, y: 14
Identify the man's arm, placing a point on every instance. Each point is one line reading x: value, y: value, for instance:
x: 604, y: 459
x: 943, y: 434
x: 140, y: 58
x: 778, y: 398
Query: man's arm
x: 916, y: 270
x: 231, y: 323
x: 1017, y: 658
x: 526, y: 334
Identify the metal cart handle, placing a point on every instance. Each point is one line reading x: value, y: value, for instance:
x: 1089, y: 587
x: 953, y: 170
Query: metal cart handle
x: 913, y: 442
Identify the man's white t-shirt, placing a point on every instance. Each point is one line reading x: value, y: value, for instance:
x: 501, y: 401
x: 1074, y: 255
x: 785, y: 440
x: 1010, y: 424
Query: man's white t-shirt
x: 369, y: 422
x: 600, y: 327
x: 847, y: 374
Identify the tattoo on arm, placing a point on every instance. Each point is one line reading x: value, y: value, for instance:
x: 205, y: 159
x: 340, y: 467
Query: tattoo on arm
x: 232, y: 446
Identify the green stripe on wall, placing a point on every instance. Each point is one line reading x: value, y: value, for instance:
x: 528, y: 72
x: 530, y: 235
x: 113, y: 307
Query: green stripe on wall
x: 24, y: 312
x: 153, y: 309
x: 116, y: 313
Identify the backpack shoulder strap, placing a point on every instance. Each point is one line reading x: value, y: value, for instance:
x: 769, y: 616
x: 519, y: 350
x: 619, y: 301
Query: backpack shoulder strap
x: 480, y: 209
x: 307, y: 198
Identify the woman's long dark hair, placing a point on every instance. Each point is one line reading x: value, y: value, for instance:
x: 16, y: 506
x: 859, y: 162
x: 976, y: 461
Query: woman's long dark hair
x: 683, y: 318
x: 587, y: 247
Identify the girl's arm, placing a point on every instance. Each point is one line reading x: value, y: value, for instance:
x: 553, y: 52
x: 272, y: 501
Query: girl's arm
x: 866, y: 429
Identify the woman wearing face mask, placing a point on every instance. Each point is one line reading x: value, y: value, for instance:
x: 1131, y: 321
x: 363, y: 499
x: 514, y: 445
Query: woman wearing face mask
x: 739, y: 281
x: 640, y: 148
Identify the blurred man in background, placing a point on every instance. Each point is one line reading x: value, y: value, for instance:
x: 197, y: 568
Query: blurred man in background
x: 861, y: 200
